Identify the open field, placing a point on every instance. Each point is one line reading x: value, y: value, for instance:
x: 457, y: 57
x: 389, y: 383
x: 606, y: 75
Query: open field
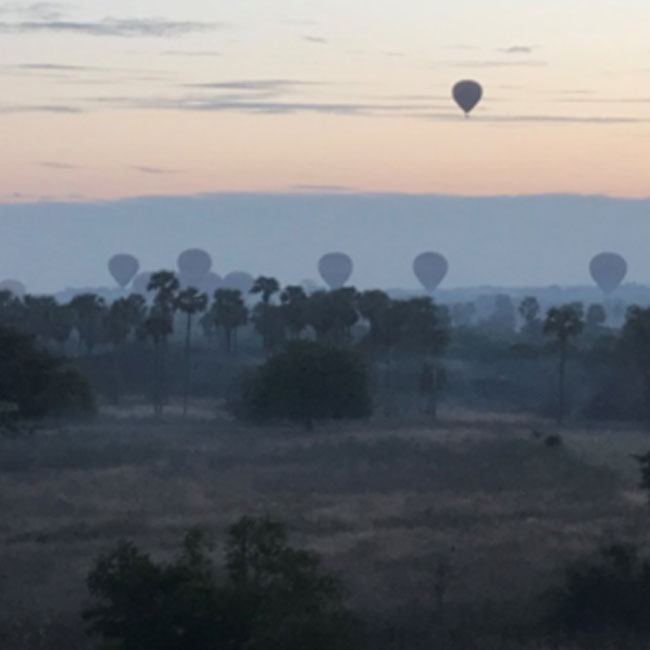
x: 387, y: 503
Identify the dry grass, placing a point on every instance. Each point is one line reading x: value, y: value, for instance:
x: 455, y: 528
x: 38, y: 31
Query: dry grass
x: 382, y: 501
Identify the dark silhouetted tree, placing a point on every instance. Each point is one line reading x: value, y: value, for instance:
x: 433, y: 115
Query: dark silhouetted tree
x: 308, y: 381
x: 228, y: 313
x: 190, y: 302
x: 563, y: 324
x: 529, y: 310
x: 294, y: 303
x: 89, y: 310
x: 635, y: 341
x: 332, y: 314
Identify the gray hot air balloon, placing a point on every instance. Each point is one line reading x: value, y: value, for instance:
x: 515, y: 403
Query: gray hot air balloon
x: 608, y: 271
x: 194, y: 261
x: 239, y: 280
x: 467, y: 95
x: 140, y: 283
x: 335, y: 269
x: 123, y: 268
x: 430, y: 269
x: 15, y: 286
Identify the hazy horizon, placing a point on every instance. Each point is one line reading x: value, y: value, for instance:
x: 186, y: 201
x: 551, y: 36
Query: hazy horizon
x: 507, y: 241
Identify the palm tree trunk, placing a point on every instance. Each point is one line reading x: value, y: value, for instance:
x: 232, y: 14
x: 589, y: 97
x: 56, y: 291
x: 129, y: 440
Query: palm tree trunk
x: 561, y: 382
x: 186, y: 379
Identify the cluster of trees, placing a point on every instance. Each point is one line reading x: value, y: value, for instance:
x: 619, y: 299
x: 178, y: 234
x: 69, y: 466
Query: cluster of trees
x: 412, y: 347
x: 269, y: 596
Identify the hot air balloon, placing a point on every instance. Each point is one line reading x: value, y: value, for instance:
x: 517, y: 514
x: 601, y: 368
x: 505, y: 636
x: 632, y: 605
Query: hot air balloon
x: 210, y: 283
x: 430, y: 269
x: 335, y: 269
x: 467, y: 95
x: 123, y: 268
x: 194, y: 261
x: 608, y: 271
x: 140, y: 283
x: 14, y: 286
x: 239, y: 280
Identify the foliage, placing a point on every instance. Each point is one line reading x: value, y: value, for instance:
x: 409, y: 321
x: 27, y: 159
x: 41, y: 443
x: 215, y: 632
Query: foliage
x: 308, y: 381
x: 38, y: 383
x: 272, y: 596
x: 610, y: 593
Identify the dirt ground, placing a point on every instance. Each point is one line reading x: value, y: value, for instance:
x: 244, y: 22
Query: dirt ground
x: 475, y: 506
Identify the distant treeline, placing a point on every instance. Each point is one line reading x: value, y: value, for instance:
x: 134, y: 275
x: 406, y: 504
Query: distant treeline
x: 565, y: 360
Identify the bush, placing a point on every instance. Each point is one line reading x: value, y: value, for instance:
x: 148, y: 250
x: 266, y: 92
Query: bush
x: 273, y: 597
x: 37, y: 382
x: 608, y: 594
x: 307, y: 381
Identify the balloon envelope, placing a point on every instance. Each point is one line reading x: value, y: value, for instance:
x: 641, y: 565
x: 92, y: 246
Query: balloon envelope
x: 204, y: 282
x: 467, y: 94
x: 430, y: 269
x: 239, y: 280
x: 335, y: 269
x: 194, y: 261
x: 15, y: 286
x: 140, y: 283
x: 123, y: 268
x: 608, y: 271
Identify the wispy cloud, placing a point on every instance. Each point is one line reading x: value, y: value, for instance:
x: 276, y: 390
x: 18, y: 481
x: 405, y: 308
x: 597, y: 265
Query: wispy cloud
x: 325, y: 189
x: 517, y: 49
x: 145, y: 169
x: 129, y: 27
x: 498, y: 64
x: 201, y: 53
x: 256, y: 85
x: 316, y: 39
x: 39, y: 108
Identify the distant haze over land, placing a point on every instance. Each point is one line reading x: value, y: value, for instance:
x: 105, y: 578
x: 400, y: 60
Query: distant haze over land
x: 519, y: 241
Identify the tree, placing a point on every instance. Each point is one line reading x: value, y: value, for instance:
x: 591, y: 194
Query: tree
x: 564, y: 323
x: 305, y: 382
x: 271, y: 597
x: 462, y: 313
x: 332, y: 314
x: 159, y: 325
x: 229, y: 313
x: 294, y: 303
x: 36, y: 382
x: 124, y: 317
x: 190, y: 302
x: 265, y: 287
x: 89, y: 310
x: 529, y: 310
x: 635, y: 342
x: 596, y: 316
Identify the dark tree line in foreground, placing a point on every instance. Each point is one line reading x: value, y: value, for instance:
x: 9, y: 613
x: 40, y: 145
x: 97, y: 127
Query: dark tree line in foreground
x: 183, y: 342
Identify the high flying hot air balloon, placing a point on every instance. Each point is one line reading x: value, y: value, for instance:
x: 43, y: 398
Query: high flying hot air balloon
x: 467, y: 95
x: 123, y: 268
x: 608, y: 271
x: 430, y: 269
x: 194, y: 261
x: 335, y: 269
x: 239, y: 280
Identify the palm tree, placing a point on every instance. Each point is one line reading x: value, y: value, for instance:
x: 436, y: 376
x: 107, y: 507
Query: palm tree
x: 159, y: 325
x: 266, y: 287
x: 229, y: 313
x: 190, y: 302
x: 294, y: 309
x: 564, y: 323
x: 89, y: 310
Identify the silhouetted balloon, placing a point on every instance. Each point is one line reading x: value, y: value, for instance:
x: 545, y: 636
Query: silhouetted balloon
x: 123, y: 268
x: 335, y: 269
x: 210, y: 283
x: 608, y: 271
x: 140, y: 283
x: 238, y: 280
x: 467, y: 94
x: 15, y: 286
x: 430, y: 269
x: 194, y: 261
x: 204, y: 282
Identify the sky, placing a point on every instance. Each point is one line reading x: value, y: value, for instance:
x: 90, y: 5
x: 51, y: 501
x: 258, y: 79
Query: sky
x: 106, y: 100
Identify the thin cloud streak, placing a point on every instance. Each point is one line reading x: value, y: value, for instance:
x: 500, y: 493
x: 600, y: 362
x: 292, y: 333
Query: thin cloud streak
x: 130, y: 27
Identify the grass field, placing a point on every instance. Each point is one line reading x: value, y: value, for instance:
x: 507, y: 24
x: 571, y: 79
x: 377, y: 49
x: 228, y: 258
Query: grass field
x: 473, y: 507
